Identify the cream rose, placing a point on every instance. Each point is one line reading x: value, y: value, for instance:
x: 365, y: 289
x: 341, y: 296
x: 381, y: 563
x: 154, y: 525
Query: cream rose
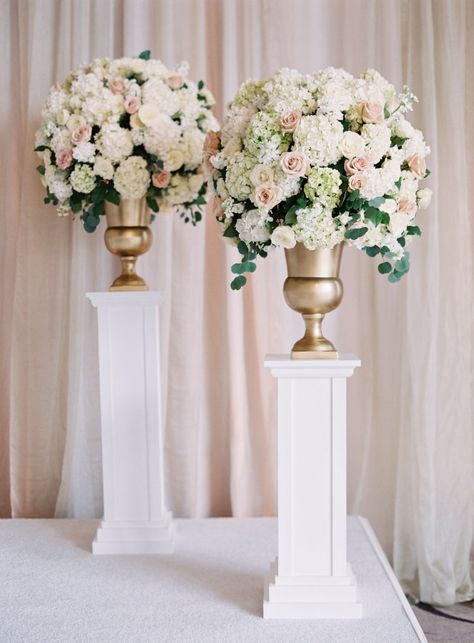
x: 174, y: 160
x: 357, y: 181
x: 289, y: 122
x: 283, y: 237
x: 161, y: 179
x: 352, y: 144
x: 75, y: 121
x: 372, y: 112
x: 261, y: 174
x: 294, y: 163
x: 423, y: 198
x: 195, y: 182
x: 267, y: 195
x: 135, y: 121
x: 417, y: 165
x: 149, y: 114
x: 357, y: 164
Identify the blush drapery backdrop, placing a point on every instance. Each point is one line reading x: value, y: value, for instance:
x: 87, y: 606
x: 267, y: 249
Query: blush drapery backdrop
x: 410, y: 454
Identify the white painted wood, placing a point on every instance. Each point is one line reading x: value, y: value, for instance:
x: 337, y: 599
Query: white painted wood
x: 135, y: 517
x: 311, y: 577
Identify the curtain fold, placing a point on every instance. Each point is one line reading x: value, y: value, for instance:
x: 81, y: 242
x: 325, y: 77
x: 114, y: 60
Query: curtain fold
x: 410, y: 456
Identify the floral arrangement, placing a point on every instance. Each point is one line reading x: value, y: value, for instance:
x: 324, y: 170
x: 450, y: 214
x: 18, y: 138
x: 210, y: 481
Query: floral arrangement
x: 319, y: 159
x: 125, y: 128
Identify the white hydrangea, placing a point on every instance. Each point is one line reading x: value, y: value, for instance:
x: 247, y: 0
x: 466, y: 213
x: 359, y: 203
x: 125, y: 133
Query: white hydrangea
x: 264, y: 139
x: 238, y: 181
x: 162, y: 137
x: 252, y: 226
x: 377, y: 141
x: 131, y: 178
x: 84, y: 152
x: 103, y: 168
x: 316, y: 228
x: 319, y: 137
x: 114, y: 142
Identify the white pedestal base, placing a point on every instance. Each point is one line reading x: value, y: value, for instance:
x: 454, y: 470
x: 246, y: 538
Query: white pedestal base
x: 136, y: 520
x: 310, y: 596
x: 135, y: 538
x: 312, y: 578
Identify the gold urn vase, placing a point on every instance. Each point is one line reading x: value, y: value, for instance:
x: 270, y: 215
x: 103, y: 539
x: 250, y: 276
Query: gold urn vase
x: 313, y: 288
x: 128, y: 236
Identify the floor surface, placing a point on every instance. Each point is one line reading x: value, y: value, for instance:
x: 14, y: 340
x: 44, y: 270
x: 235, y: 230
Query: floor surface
x: 53, y: 589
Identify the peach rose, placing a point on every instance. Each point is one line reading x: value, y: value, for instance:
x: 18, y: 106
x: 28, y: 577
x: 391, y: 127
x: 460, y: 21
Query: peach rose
x: 372, y: 112
x: 267, y: 195
x: 357, y: 164
x: 407, y: 207
x: 210, y: 148
x: 117, y: 86
x: 215, y: 204
x: 176, y: 81
x: 417, y: 165
x: 289, y: 122
x: 357, y: 181
x: 131, y: 104
x: 293, y: 163
x: 81, y: 134
x: 161, y: 179
x: 64, y: 158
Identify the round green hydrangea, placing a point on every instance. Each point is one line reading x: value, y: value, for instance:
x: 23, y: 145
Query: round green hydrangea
x: 324, y: 186
x: 82, y: 178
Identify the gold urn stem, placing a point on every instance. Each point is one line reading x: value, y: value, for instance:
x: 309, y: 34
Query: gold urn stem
x: 313, y: 288
x: 129, y: 276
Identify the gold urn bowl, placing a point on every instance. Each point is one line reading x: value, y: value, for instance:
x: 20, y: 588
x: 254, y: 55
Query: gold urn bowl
x: 313, y: 288
x: 128, y: 236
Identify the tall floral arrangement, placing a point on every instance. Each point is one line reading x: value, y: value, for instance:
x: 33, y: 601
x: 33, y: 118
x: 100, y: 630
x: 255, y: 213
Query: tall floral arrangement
x: 319, y: 159
x: 125, y: 128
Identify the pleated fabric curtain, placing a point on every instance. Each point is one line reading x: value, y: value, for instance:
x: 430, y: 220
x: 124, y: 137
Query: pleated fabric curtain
x: 410, y: 452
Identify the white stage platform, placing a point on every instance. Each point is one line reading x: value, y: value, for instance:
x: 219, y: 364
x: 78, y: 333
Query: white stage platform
x: 53, y: 590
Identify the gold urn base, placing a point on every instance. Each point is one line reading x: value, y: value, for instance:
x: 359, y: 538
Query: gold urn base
x: 128, y: 236
x: 313, y: 288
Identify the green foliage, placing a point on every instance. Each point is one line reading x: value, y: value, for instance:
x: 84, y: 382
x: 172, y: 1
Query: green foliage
x: 41, y: 148
x: 373, y: 251
x: 386, y: 113
x: 238, y: 282
x: 384, y: 267
x: 41, y: 169
x: 152, y: 204
x: 398, y: 141
x: 112, y: 195
x: 355, y: 233
x: 374, y: 215
x: 145, y: 55
x: 200, y: 85
x: 413, y: 230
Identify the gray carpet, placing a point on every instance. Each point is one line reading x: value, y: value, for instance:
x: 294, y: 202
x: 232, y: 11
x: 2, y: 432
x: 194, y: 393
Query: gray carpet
x: 54, y: 590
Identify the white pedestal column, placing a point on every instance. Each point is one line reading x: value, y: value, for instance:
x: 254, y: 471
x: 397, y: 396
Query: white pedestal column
x: 311, y: 577
x: 135, y: 518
